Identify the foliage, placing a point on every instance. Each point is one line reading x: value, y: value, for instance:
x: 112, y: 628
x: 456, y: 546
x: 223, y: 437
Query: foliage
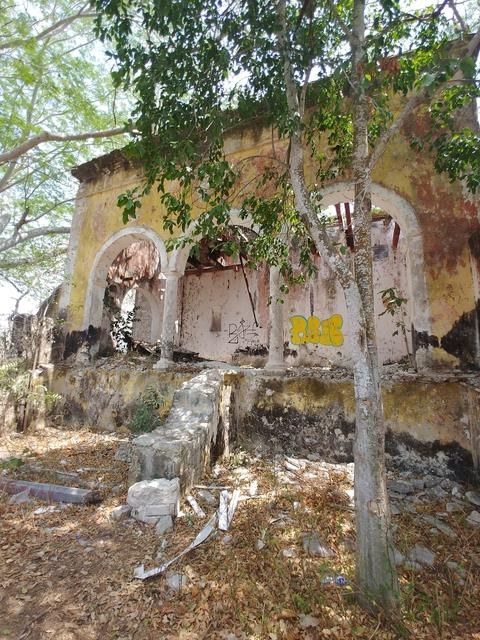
x: 227, y: 72
x: 11, y: 463
x: 18, y: 381
x: 146, y: 411
x: 394, y: 304
x: 51, y: 81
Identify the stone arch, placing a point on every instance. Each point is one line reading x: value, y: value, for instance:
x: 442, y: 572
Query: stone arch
x: 104, y: 258
x: 404, y: 214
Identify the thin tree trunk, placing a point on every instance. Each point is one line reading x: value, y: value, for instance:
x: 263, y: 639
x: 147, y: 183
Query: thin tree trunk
x: 376, y: 575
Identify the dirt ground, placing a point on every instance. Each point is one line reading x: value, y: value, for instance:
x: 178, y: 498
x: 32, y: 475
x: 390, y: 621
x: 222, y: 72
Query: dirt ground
x: 67, y: 572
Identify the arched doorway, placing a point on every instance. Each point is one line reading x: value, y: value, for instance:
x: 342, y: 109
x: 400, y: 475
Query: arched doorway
x: 130, y: 261
x: 398, y: 247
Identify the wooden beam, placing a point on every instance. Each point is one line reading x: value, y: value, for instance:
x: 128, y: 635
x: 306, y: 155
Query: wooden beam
x: 51, y: 492
x: 396, y: 236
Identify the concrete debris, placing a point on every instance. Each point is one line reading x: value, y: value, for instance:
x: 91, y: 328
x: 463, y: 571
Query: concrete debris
x: 176, y: 581
x: 197, y: 509
x: 453, y: 507
x: 473, y: 497
x: 315, y: 546
x: 54, y: 492
x: 441, y: 526
x: 422, y: 555
x: 474, y: 518
x: 124, y: 452
x: 158, y: 497
x: 123, y: 512
x: 164, y: 524
x: 400, y: 486
x: 150, y: 514
x: 206, y: 496
x: 226, y: 508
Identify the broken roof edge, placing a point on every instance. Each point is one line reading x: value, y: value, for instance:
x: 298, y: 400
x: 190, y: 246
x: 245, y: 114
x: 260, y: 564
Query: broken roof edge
x: 107, y: 164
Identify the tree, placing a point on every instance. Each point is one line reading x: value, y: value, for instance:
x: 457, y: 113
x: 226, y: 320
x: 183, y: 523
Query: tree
x: 197, y: 70
x: 55, y: 101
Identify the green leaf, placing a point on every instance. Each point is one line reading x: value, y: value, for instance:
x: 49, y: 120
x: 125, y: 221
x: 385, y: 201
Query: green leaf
x: 468, y: 67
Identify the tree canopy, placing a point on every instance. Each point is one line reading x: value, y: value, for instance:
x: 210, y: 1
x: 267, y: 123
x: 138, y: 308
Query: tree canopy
x: 57, y: 109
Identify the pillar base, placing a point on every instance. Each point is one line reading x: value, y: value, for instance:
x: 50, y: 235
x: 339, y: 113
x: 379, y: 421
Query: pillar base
x: 163, y: 364
x: 275, y: 368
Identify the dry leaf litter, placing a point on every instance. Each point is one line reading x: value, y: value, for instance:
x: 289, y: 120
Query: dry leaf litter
x: 283, y: 570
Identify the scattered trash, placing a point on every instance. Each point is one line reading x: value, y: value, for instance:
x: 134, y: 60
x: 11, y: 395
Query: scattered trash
x: 197, y: 509
x: 41, y: 510
x: 140, y: 572
x: 331, y: 581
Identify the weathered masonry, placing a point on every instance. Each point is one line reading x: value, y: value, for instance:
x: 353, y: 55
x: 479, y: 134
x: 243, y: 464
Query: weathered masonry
x: 426, y: 236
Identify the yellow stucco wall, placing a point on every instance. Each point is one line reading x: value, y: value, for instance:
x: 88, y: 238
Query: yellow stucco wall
x: 446, y: 216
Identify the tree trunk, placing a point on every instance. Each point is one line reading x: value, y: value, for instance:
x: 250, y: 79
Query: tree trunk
x: 376, y: 575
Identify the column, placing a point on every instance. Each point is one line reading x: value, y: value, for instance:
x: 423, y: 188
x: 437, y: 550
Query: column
x: 275, y: 360
x: 170, y: 305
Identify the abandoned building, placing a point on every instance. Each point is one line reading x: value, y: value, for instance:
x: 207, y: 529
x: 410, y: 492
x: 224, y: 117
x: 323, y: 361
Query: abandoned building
x: 426, y: 248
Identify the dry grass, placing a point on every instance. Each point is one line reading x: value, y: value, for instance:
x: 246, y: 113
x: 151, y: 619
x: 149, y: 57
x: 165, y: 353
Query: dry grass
x: 68, y: 574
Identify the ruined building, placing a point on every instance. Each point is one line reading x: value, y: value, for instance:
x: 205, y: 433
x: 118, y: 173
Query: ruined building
x: 426, y: 247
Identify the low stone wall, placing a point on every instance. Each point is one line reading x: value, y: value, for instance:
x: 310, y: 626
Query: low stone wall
x: 304, y: 413
x: 99, y: 395
x: 182, y: 447
x: 309, y: 415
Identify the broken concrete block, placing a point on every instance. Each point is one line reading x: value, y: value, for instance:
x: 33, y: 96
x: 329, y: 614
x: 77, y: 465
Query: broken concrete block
x: 315, y: 546
x: 176, y: 581
x: 164, y: 524
x: 123, y: 512
x: 474, y: 518
x: 150, y: 514
x: 207, y: 497
x: 422, y: 555
x: 158, y: 497
x: 473, y: 497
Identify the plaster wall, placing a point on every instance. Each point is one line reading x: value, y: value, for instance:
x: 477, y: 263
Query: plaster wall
x: 217, y: 317
x: 438, y: 283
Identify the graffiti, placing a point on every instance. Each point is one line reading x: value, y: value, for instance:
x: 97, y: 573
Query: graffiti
x: 242, y: 332
x: 315, y: 331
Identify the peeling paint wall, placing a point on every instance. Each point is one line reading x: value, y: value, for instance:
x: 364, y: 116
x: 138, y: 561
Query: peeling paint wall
x: 432, y: 264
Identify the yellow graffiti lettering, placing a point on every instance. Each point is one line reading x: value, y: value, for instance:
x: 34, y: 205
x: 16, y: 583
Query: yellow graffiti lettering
x: 312, y: 330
